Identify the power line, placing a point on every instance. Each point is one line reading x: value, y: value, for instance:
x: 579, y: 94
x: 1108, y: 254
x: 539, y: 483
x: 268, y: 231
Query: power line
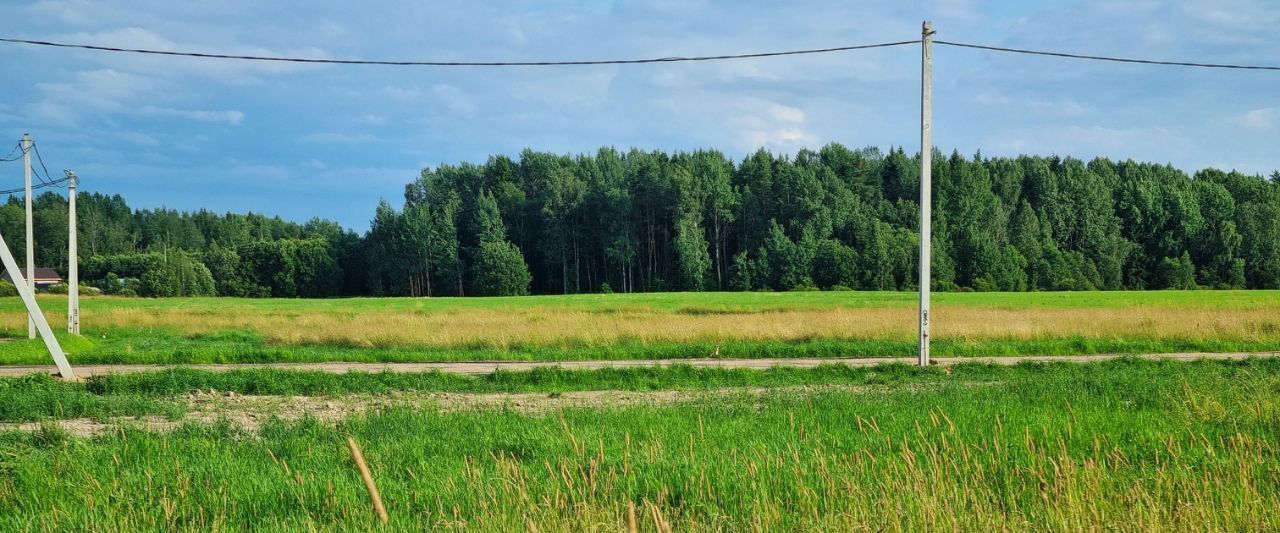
x: 41, y: 173
x: 674, y: 59
x: 1107, y: 58
x: 10, y: 157
x: 40, y: 158
x: 54, y: 183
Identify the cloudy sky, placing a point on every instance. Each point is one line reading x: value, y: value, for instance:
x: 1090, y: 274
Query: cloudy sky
x: 301, y: 141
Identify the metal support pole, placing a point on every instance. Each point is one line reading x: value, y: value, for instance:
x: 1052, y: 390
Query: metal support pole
x: 926, y: 182
x: 73, y: 259
x: 31, y: 247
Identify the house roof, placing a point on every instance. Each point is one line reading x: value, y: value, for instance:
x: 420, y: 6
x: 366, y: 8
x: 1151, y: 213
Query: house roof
x: 42, y: 274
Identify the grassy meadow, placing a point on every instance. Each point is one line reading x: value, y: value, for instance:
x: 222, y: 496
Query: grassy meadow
x: 1121, y: 445
x: 638, y: 326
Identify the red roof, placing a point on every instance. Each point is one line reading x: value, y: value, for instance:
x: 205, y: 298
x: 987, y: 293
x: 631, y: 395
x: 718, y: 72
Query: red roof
x: 43, y: 274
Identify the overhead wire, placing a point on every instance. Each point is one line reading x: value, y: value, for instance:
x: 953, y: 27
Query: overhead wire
x: 16, y: 148
x: 36, y: 146
x: 36, y: 186
x: 670, y: 59
x: 41, y: 172
x: 1105, y: 58
x: 47, y: 181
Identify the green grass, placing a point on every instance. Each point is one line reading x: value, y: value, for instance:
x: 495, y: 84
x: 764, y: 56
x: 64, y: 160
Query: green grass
x: 38, y: 396
x: 158, y: 347
x: 688, y: 302
x: 1129, y: 445
x: 186, y: 343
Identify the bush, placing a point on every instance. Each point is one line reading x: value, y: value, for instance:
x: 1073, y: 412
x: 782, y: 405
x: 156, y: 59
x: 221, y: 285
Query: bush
x: 839, y: 288
x: 500, y: 270
x: 58, y: 288
x: 128, y: 293
x: 176, y: 273
x: 945, y: 286
x: 804, y: 285
x: 7, y: 289
x: 605, y: 288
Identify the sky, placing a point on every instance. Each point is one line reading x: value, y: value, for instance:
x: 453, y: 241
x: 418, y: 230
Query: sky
x: 310, y: 140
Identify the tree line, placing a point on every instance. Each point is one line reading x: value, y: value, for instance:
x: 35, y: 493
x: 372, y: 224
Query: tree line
x: 643, y: 221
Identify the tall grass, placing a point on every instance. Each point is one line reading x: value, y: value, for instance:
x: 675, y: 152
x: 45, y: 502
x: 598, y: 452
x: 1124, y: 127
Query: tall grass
x: 206, y: 330
x: 1123, y: 445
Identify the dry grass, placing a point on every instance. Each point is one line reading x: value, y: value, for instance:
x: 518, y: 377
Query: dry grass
x: 505, y: 328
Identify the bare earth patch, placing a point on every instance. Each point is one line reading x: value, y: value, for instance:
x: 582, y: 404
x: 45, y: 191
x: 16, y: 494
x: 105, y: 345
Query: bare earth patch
x: 249, y: 412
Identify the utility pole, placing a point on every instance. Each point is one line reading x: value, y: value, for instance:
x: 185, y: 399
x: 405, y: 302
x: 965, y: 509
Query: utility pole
x: 926, y: 182
x: 73, y: 260
x: 31, y: 250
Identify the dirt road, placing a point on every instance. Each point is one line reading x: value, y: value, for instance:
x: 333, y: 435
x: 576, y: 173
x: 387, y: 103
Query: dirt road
x: 479, y: 367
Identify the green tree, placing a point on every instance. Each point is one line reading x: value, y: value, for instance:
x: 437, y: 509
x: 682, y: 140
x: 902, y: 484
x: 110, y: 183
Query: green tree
x: 500, y: 270
x: 1176, y: 273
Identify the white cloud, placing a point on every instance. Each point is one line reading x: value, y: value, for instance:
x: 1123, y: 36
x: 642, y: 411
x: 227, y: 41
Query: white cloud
x: 1259, y: 119
x: 230, y: 117
x: 765, y: 124
x: 223, y: 70
x: 136, y: 137
x: 454, y: 99
x: 103, y: 89
x: 74, y: 12
x: 1152, y: 143
x: 333, y: 137
x: 1065, y: 106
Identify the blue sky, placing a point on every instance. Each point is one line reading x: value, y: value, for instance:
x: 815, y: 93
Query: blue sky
x: 302, y: 141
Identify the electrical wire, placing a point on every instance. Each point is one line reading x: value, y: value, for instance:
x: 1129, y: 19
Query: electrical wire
x: 16, y: 147
x: 41, y: 173
x: 40, y: 158
x: 1106, y: 58
x: 43, y: 179
x: 35, y: 187
x: 673, y: 59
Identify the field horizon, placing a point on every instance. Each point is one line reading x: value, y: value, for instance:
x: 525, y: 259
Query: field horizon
x: 646, y: 326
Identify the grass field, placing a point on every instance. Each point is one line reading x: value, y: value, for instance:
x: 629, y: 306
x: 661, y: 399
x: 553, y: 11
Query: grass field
x: 1126, y: 445
x: 639, y: 326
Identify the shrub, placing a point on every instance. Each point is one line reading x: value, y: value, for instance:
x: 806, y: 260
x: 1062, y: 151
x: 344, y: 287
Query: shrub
x: 500, y: 270
x: 7, y: 289
x: 804, y: 285
x: 945, y: 286
x: 58, y: 288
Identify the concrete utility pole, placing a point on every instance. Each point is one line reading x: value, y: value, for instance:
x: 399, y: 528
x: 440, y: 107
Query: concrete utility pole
x: 926, y: 182
x: 73, y: 260
x: 31, y: 250
x: 33, y: 310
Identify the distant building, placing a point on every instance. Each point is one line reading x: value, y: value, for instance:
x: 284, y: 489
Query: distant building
x: 44, y: 277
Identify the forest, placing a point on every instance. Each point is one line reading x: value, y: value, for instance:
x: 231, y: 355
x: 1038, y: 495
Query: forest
x: 644, y: 221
